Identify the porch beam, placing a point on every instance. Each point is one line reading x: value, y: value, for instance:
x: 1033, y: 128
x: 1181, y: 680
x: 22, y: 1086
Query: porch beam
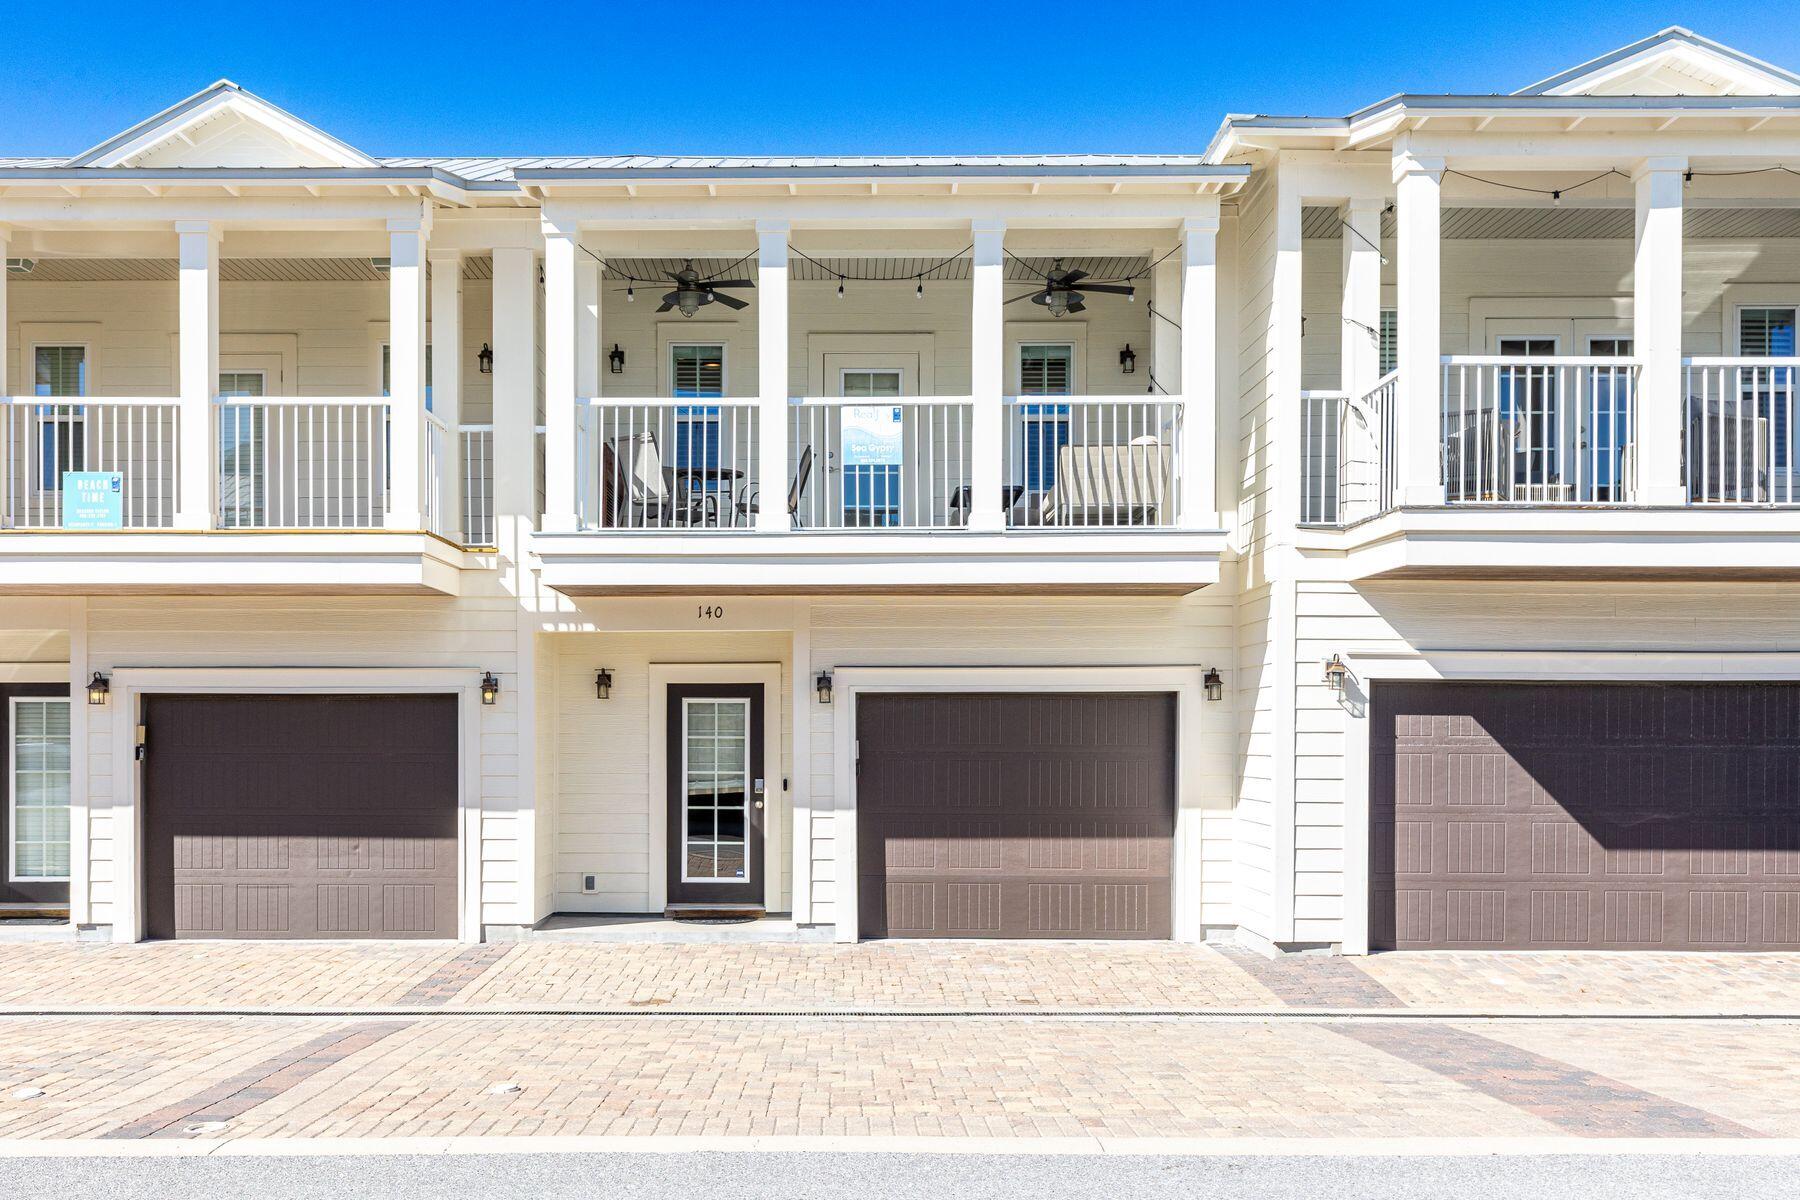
x: 1199, y: 504
x: 446, y: 384
x: 772, y: 376
x: 1418, y: 183
x: 987, y: 375
x: 198, y: 354
x: 1656, y: 331
x: 559, y: 376
x: 406, y: 371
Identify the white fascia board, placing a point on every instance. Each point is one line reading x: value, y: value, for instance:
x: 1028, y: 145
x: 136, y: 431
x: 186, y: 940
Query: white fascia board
x: 1164, y: 561
x: 1677, y: 43
x: 205, y: 563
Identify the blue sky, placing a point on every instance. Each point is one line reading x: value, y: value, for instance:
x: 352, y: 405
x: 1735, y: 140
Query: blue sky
x: 782, y: 77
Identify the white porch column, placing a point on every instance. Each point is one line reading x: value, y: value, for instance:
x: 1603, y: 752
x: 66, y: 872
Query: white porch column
x: 1418, y: 206
x: 1359, y: 364
x: 1199, y: 382
x: 987, y: 376
x: 559, y: 375
x: 1165, y: 323
x: 446, y: 385
x: 406, y: 378
x: 587, y: 386
x: 515, y: 389
x: 199, y: 371
x: 772, y: 375
x: 1656, y: 332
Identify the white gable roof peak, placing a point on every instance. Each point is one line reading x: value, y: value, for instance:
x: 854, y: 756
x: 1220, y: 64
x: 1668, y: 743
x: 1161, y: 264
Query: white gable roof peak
x: 223, y: 126
x: 1673, y: 62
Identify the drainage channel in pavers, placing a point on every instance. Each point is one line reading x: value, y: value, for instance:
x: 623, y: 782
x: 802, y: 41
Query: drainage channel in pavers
x: 1032, y: 1014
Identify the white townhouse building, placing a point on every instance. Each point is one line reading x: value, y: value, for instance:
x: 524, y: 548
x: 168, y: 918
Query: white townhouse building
x: 1372, y: 532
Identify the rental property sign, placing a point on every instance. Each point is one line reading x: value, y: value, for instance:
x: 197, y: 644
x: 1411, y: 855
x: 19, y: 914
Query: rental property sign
x: 93, y: 500
x: 872, y: 435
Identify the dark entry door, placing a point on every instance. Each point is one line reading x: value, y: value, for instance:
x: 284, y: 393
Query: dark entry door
x: 1015, y: 815
x: 716, y: 791
x: 300, y: 816
x: 1585, y: 816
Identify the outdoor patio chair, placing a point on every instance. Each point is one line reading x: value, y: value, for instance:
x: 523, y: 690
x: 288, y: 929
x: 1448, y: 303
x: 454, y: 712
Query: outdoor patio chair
x: 1110, y: 484
x: 747, y: 505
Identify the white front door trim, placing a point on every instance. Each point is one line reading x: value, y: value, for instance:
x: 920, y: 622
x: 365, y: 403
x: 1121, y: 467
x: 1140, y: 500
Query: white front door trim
x: 1376, y: 663
x: 130, y: 684
x: 774, y: 771
x: 1183, y: 681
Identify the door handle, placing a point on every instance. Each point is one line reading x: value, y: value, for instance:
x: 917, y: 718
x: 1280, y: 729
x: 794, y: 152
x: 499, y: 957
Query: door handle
x: 759, y: 804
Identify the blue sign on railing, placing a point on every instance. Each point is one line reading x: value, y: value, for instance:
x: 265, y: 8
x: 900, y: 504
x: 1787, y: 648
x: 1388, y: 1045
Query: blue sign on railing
x: 93, y: 500
x: 872, y: 436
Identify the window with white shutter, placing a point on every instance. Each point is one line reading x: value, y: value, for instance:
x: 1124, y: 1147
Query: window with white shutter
x: 698, y: 370
x: 1044, y: 370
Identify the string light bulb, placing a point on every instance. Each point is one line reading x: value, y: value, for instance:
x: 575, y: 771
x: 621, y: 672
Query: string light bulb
x: 630, y: 295
x: 1556, y: 198
x: 840, y: 287
x: 1131, y: 293
x: 919, y: 292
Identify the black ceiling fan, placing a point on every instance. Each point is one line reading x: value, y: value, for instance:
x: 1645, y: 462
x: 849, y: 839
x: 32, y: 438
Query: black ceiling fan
x: 1059, y: 295
x: 691, y: 291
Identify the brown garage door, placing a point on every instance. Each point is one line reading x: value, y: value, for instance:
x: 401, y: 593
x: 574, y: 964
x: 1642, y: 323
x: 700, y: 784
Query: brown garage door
x: 1585, y: 816
x: 300, y: 816
x: 1015, y: 816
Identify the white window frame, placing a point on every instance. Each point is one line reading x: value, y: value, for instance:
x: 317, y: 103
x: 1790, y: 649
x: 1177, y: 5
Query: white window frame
x: 749, y: 794
x: 1734, y: 348
x: 73, y: 422
x: 899, y: 373
x: 724, y: 347
x: 12, y: 789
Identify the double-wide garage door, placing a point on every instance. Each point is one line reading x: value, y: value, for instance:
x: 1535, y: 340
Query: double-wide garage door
x: 300, y: 816
x: 1585, y: 816
x: 1015, y: 815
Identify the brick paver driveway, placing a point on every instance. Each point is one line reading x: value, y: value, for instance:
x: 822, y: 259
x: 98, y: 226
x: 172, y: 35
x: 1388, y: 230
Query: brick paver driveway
x: 383, y: 1041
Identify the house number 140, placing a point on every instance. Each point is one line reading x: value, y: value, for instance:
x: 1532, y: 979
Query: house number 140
x: 710, y: 612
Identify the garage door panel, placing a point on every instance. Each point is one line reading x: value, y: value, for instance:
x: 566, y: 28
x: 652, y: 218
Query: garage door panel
x: 1016, y: 815
x: 1629, y: 816
x: 330, y: 831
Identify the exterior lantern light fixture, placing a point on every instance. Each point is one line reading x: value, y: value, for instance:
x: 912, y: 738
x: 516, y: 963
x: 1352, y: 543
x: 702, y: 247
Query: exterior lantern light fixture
x: 603, y: 684
x: 1336, y: 673
x: 1127, y: 360
x: 490, y: 688
x: 1214, y: 683
x: 485, y: 358
x: 615, y: 359
x: 99, y: 687
x: 823, y: 683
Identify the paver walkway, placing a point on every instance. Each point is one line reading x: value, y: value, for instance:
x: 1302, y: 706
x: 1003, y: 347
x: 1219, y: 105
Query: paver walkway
x: 876, y: 976
x: 453, y: 1041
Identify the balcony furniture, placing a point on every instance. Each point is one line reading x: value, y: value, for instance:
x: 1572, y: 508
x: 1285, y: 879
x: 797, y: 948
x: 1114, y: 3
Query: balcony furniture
x: 1729, y: 453
x: 700, y: 486
x: 959, y: 501
x: 647, y: 487
x: 747, y: 506
x: 1110, y: 485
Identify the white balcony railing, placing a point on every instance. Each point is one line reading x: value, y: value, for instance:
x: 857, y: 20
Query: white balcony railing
x: 286, y: 463
x: 1739, y: 434
x: 1539, y: 430
x: 685, y: 464
x: 42, y: 439
x: 1072, y: 461
x: 475, y: 445
x: 903, y: 463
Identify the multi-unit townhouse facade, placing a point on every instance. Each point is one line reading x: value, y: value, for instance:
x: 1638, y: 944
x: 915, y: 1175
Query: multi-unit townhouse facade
x: 1371, y: 532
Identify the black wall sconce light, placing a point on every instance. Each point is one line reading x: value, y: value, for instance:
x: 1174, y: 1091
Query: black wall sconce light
x: 615, y: 359
x: 99, y: 688
x: 823, y: 683
x: 1127, y: 360
x: 1214, y: 683
x: 484, y: 358
x: 490, y: 688
x: 603, y: 684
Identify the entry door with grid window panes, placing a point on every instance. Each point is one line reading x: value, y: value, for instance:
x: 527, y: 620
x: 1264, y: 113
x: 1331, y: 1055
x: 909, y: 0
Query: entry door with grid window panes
x: 1762, y: 440
x: 872, y: 490
x: 60, y: 441
x: 1606, y: 432
x: 1530, y: 414
x: 241, y: 449
x: 1044, y: 370
x: 716, y: 782
x: 38, y: 790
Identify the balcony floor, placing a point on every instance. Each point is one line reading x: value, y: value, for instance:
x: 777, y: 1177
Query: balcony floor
x: 223, y: 562
x: 1160, y: 562
x: 1563, y: 542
